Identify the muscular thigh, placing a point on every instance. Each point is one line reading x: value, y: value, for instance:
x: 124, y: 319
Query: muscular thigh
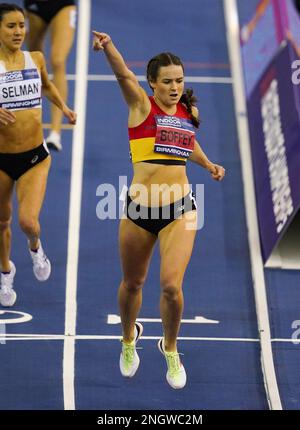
x: 6, y: 191
x: 176, y: 243
x: 62, y: 30
x: 36, y: 34
x: 31, y: 188
x: 136, y: 246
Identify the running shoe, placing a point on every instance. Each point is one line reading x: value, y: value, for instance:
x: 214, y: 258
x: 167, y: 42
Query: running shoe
x: 53, y: 141
x: 8, y: 296
x: 176, y: 375
x: 41, y: 264
x: 129, y: 359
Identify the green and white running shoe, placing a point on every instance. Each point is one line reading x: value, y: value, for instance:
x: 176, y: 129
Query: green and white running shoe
x: 176, y: 375
x: 129, y: 359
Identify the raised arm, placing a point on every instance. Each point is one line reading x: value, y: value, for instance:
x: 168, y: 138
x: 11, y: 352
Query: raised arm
x: 133, y: 93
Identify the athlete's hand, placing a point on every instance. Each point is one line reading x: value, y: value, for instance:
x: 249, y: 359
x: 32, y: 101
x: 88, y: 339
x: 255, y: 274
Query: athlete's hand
x: 71, y: 115
x: 7, y: 117
x: 100, y: 40
x: 217, y: 172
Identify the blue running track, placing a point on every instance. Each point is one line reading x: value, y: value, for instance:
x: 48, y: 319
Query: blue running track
x: 222, y: 357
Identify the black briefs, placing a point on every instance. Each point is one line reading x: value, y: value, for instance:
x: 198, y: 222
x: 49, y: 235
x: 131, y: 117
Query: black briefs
x: 15, y: 165
x: 154, y: 219
x: 46, y: 9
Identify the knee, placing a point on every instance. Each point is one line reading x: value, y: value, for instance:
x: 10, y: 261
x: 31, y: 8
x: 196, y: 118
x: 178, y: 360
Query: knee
x: 133, y: 284
x: 28, y: 224
x: 170, y: 287
x: 58, y: 63
x: 4, y: 224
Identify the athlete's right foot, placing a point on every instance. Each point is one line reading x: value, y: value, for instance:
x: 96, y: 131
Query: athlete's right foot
x: 8, y: 296
x: 41, y: 264
x: 129, y: 359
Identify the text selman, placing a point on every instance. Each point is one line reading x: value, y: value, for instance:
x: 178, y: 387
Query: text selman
x: 20, y: 90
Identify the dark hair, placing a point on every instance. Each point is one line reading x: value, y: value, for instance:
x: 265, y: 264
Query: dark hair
x: 167, y: 59
x: 9, y: 7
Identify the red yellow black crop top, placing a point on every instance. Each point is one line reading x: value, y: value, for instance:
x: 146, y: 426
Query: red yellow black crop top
x: 162, y: 138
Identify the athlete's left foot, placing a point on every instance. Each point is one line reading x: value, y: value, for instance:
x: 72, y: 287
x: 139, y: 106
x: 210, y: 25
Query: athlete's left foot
x: 176, y: 375
x: 41, y: 263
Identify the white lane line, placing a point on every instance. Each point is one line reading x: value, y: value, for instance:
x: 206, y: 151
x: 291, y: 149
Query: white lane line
x: 289, y: 340
x: 117, y: 337
x: 82, y: 55
x: 187, y: 79
x: 142, y: 78
x: 233, y: 42
x: 116, y: 319
x: 22, y: 336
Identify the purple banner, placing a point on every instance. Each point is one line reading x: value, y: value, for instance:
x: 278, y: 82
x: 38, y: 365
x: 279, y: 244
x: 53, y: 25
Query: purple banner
x: 275, y: 143
x: 273, y: 21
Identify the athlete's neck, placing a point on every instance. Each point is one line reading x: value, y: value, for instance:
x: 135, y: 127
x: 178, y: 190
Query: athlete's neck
x: 170, y: 110
x: 9, y: 56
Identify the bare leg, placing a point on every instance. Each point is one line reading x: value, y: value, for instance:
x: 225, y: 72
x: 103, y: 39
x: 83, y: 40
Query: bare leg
x: 62, y: 35
x: 136, y: 247
x: 176, y: 244
x: 36, y: 35
x: 31, y: 189
x: 6, y: 190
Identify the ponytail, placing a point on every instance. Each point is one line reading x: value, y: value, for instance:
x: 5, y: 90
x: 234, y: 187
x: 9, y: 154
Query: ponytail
x: 189, y: 100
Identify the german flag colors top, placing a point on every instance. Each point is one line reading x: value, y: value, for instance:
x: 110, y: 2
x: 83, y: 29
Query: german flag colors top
x: 162, y: 138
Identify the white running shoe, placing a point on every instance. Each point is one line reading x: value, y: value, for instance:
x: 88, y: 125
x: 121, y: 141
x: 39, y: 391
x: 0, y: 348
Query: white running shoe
x: 176, y: 375
x: 8, y: 296
x: 53, y: 141
x: 129, y: 359
x: 41, y: 264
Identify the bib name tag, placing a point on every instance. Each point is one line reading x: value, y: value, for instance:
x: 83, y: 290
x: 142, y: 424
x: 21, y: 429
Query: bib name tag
x: 174, y: 136
x: 20, y: 89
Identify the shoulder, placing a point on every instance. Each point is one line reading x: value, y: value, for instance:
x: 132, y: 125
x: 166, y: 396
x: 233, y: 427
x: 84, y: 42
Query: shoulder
x: 195, y: 111
x: 38, y: 57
